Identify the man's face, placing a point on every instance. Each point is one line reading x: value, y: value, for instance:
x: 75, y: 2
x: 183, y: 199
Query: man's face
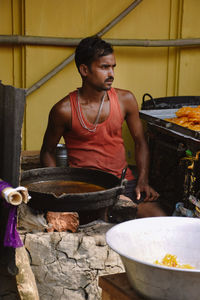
x: 100, y: 75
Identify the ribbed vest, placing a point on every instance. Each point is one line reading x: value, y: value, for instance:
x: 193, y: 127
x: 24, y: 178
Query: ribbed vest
x: 103, y: 149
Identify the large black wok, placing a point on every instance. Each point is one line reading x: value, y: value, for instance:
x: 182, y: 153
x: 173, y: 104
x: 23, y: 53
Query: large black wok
x: 41, y: 199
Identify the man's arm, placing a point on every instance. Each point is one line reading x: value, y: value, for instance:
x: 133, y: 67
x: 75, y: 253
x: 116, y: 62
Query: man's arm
x: 131, y: 114
x: 59, y: 120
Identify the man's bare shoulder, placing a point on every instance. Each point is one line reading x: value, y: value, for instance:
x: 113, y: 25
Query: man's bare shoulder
x: 62, y: 105
x: 127, y: 99
x: 125, y: 95
x: 60, y: 114
x: 61, y: 108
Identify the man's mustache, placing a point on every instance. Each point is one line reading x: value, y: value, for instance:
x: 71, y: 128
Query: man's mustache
x: 109, y: 78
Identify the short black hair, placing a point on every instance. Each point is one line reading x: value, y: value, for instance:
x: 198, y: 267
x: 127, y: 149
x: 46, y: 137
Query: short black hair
x: 89, y: 49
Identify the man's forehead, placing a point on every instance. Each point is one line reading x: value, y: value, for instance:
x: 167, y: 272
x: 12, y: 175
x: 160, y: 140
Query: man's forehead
x: 106, y: 59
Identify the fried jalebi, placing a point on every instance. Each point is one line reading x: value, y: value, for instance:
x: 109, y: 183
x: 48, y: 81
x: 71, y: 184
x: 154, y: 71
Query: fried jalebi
x: 184, y: 111
x: 187, y: 117
x: 195, y: 127
x: 171, y: 261
x: 194, y: 116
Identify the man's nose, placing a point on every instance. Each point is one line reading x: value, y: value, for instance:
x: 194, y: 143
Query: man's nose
x: 111, y: 72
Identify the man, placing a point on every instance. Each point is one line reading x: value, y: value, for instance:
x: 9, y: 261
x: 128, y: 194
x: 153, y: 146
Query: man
x: 90, y: 120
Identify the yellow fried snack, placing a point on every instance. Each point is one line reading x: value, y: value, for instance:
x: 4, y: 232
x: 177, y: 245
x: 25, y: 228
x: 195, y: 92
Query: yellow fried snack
x: 171, y: 261
x: 181, y: 120
x: 195, y: 127
x: 187, y: 117
x: 184, y: 111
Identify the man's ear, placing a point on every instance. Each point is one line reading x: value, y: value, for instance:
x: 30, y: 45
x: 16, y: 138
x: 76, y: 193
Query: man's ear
x: 83, y: 70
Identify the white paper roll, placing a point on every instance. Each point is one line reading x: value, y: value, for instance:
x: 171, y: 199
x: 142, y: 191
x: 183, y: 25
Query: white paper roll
x: 24, y: 193
x: 11, y: 196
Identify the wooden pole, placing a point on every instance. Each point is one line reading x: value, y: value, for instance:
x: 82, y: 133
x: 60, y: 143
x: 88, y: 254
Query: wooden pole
x: 73, y: 42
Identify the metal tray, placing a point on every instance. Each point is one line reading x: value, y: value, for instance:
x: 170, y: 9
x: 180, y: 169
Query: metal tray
x: 168, y: 102
x: 158, y: 116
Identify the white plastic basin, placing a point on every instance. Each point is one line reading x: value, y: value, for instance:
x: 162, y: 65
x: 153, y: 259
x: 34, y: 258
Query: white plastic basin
x: 140, y: 242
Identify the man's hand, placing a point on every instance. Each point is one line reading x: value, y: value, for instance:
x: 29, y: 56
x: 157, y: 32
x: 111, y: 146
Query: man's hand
x: 150, y: 193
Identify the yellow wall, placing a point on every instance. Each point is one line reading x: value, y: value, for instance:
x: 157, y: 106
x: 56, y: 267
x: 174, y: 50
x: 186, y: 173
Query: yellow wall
x: 158, y: 71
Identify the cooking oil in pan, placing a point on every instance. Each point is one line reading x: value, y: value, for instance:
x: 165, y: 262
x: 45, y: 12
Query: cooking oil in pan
x: 59, y: 187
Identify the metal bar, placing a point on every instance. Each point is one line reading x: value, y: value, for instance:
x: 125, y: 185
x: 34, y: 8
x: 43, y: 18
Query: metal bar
x: 49, y: 75
x: 57, y: 69
x: 72, y: 42
x: 119, y: 17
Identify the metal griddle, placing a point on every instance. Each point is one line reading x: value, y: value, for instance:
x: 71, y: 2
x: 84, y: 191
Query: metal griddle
x: 156, y: 118
x: 169, y: 144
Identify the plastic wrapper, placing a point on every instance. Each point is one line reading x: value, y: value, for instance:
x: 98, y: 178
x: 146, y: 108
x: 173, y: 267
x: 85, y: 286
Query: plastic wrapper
x: 31, y: 221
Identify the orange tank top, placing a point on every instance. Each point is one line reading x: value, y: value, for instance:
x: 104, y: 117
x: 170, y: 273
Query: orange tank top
x: 103, y: 149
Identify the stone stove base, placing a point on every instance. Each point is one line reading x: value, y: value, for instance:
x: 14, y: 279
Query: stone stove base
x: 67, y: 265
